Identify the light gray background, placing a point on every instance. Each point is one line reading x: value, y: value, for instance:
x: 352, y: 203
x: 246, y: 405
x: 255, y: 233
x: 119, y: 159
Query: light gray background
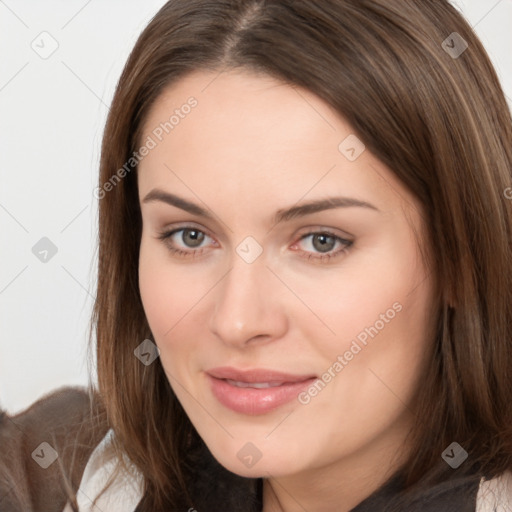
x: 52, y: 116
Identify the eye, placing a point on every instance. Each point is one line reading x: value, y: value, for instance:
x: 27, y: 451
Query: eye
x: 322, y: 245
x: 185, y: 241
x: 319, y: 245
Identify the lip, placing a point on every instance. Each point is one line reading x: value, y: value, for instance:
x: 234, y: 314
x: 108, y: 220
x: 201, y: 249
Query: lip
x: 252, y: 401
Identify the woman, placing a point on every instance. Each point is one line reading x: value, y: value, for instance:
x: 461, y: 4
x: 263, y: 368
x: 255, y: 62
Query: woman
x: 305, y: 290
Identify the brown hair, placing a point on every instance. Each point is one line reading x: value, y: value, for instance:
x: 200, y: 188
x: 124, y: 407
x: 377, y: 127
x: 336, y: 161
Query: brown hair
x: 439, y: 121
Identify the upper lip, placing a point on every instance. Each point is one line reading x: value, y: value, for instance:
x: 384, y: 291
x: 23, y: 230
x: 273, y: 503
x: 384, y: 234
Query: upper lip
x: 256, y: 375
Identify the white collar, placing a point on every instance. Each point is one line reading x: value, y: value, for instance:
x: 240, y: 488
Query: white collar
x: 125, y: 491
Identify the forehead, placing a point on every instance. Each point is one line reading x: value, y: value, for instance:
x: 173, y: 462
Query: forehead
x: 226, y: 101
x: 238, y: 134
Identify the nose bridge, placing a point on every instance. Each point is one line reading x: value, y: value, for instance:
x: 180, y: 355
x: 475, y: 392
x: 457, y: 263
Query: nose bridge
x: 245, y: 306
x: 241, y: 292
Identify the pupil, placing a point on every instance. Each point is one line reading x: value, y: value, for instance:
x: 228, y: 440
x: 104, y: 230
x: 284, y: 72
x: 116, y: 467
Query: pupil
x: 323, y: 243
x: 192, y: 237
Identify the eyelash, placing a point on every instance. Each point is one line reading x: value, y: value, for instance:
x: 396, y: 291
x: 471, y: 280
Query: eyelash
x: 320, y: 257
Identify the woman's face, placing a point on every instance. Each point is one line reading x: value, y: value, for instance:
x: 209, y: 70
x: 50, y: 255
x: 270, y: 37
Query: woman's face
x: 281, y: 277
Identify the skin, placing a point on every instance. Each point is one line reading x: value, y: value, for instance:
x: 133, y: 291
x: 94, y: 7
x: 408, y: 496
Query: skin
x: 251, y: 147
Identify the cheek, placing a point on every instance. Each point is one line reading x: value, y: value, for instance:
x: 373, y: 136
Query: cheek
x: 377, y: 294
x: 173, y: 301
x: 379, y: 312
x: 167, y: 291
x: 155, y: 291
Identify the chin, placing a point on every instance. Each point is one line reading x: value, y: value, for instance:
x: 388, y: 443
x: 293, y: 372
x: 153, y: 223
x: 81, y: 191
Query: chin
x: 250, y: 461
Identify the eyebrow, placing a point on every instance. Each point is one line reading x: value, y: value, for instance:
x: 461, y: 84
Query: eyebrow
x: 282, y: 215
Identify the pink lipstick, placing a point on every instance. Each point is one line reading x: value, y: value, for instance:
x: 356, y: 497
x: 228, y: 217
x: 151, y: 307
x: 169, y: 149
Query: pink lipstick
x: 255, y: 391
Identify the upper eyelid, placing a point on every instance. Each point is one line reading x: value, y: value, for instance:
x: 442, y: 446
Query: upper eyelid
x: 343, y: 240
x: 330, y: 232
x: 177, y: 228
x: 308, y: 230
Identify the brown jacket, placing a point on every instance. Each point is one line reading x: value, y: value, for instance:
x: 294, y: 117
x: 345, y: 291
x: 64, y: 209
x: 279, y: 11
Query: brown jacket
x: 44, y: 450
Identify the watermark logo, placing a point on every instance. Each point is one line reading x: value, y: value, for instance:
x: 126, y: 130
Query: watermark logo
x: 454, y: 455
x: 249, y: 249
x: 454, y: 45
x: 147, y: 352
x: 44, y: 250
x: 249, y: 454
x: 45, y: 455
x: 351, y: 148
x: 45, y: 45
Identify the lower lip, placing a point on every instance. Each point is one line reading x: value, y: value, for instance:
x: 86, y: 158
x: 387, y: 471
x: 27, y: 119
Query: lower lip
x: 253, y: 401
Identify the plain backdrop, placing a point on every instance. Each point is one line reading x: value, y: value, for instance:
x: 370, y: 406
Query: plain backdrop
x: 53, y: 109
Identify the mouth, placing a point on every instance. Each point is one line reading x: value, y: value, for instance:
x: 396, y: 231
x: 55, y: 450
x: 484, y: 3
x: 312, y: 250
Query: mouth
x: 257, y: 391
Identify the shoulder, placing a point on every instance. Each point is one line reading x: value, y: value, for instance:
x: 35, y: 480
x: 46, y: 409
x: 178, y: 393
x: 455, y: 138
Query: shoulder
x: 45, y: 448
x: 495, y: 495
x: 469, y: 493
x: 106, y: 485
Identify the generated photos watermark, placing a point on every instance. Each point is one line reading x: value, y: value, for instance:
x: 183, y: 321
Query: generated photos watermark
x: 149, y: 144
x: 357, y: 345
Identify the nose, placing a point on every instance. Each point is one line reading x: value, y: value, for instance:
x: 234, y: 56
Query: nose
x: 249, y: 305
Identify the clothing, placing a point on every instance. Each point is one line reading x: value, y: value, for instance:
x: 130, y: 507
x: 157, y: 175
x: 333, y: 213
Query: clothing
x: 470, y: 494
x: 125, y: 491
x: 54, y: 437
